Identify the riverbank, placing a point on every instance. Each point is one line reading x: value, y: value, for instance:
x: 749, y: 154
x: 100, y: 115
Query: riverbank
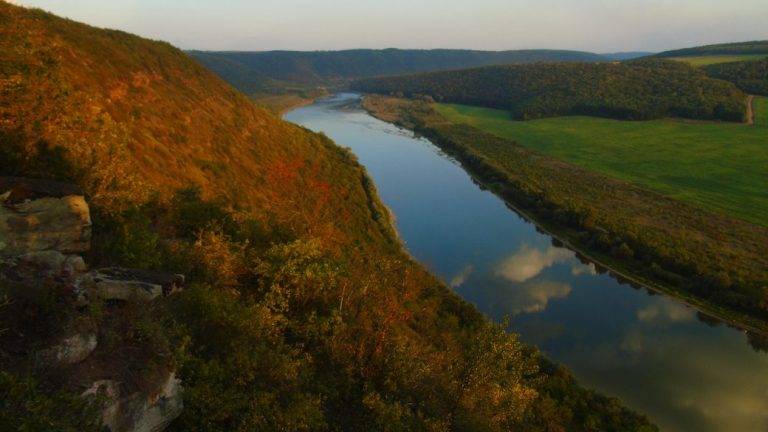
x: 687, y: 253
x: 279, y: 104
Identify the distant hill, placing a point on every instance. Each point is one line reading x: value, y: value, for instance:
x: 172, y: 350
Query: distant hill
x: 636, y: 90
x: 736, y: 48
x: 630, y: 55
x: 248, y: 70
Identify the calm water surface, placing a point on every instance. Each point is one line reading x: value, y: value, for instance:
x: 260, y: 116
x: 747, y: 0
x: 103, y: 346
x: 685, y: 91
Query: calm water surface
x: 686, y: 372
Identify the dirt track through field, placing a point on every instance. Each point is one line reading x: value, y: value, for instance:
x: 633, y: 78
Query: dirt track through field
x: 750, y: 110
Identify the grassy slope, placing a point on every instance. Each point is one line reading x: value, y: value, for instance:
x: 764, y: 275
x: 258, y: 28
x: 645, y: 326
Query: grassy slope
x: 719, y: 166
x: 709, y: 259
x: 705, y: 60
x: 302, y: 311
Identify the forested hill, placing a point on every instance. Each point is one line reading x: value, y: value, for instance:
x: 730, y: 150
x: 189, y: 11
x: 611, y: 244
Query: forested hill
x: 750, y: 76
x: 301, y: 310
x: 736, y: 48
x: 311, y: 67
x: 636, y: 90
x: 629, y: 55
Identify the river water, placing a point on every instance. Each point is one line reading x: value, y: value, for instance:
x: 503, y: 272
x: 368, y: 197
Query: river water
x: 685, y: 371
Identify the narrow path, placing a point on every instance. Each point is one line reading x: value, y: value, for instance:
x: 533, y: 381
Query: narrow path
x: 750, y: 110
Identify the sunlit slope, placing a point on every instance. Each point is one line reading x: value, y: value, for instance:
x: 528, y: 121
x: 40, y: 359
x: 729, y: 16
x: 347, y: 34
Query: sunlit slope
x: 719, y: 53
x: 718, y: 166
x: 718, y: 59
x: 138, y: 117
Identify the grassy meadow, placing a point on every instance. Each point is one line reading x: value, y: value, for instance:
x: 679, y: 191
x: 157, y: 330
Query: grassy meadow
x: 719, y: 166
x: 716, y: 59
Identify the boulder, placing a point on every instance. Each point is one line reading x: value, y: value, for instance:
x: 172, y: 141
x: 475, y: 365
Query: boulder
x: 140, y: 411
x: 71, y: 350
x: 42, y: 215
x: 42, y: 265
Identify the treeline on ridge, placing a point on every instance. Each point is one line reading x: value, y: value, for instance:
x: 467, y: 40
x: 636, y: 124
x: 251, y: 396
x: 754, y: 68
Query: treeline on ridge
x: 329, y: 67
x: 638, y: 90
x: 749, y: 76
x: 735, y: 48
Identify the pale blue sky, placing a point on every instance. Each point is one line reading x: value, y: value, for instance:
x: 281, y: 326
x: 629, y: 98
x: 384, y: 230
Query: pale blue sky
x: 591, y: 25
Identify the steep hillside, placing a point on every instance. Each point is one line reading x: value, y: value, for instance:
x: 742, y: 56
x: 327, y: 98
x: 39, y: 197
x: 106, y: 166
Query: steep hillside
x: 301, y: 311
x: 637, y: 90
x: 331, y: 67
x: 736, y: 48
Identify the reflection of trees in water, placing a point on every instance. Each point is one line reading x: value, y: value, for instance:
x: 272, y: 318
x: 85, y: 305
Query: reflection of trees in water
x: 758, y: 342
x: 708, y: 320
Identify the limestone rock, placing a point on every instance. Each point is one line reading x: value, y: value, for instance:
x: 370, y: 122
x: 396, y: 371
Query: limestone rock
x: 39, y: 265
x: 159, y: 410
x: 71, y: 350
x: 140, y: 411
x: 41, y: 215
x: 129, y: 284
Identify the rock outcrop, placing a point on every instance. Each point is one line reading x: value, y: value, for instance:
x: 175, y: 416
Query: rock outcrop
x: 71, y: 350
x: 44, y: 227
x: 129, y: 284
x: 140, y: 411
x: 42, y: 215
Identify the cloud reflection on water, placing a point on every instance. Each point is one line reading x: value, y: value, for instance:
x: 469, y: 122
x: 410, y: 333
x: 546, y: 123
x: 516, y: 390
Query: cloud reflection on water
x: 528, y: 262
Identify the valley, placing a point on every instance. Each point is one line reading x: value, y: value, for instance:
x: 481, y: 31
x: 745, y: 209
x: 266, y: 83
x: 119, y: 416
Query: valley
x: 614, y: 335
x: 260, y: 217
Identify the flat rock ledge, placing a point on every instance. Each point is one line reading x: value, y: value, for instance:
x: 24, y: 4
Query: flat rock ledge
x: 42, y: 215
x: 139, y: 412
x: 44, y: 227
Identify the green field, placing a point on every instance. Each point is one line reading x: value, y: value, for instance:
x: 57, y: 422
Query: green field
x: 715, y: 59
x: 720, y: 166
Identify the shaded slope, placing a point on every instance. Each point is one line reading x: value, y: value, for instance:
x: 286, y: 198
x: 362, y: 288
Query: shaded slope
x: 310, y: 67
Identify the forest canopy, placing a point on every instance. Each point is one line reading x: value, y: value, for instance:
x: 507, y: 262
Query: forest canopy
x: 749, y: 76
x: 638, y: 90
x: 741, y: 48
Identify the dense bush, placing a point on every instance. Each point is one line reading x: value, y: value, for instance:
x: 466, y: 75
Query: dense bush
x: 25, y: 405
x: 637, y: 90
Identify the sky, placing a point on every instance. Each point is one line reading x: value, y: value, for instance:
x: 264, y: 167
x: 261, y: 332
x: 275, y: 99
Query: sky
x: 589, y: 25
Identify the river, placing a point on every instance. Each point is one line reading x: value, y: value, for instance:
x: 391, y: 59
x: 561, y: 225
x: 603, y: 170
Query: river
x: 685, y: 371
